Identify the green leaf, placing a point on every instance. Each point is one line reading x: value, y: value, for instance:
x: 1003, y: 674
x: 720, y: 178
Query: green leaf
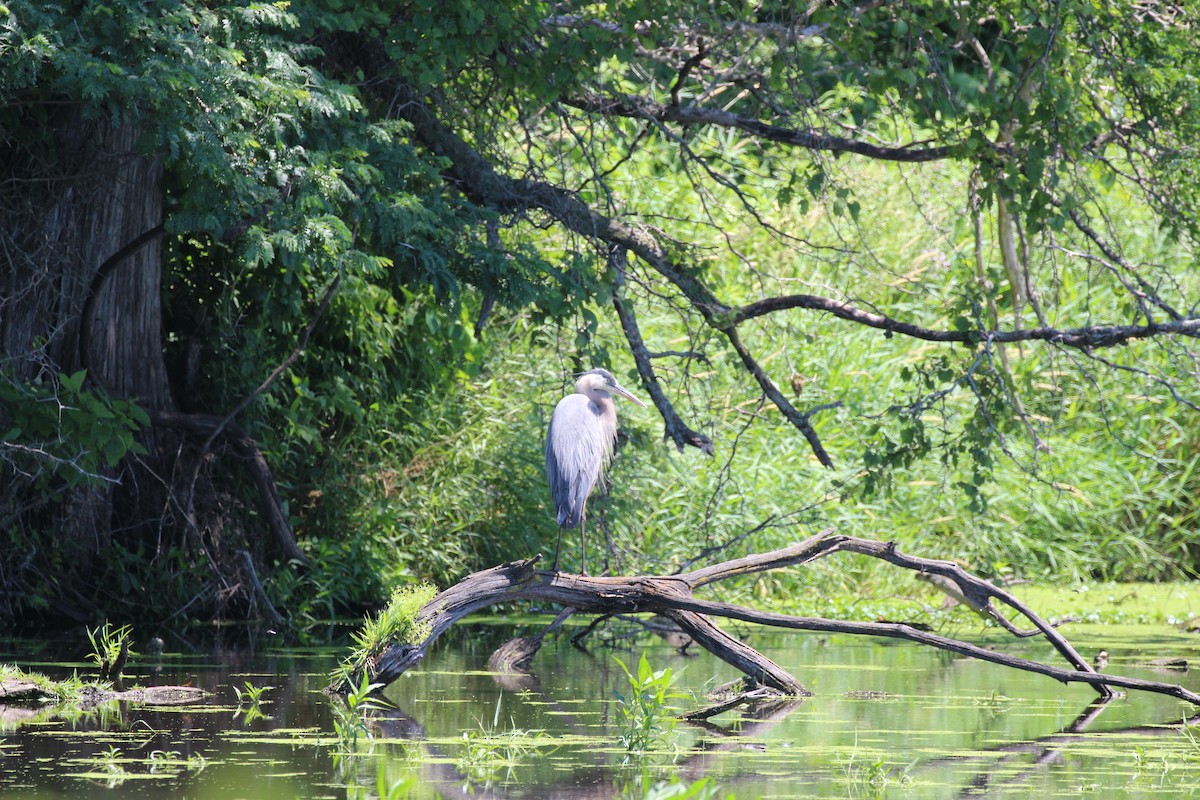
x: 73, y: 383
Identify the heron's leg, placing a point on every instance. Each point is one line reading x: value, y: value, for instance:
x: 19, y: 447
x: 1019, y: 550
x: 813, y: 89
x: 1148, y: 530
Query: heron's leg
x: 558, y: 549
x: 582, y: 547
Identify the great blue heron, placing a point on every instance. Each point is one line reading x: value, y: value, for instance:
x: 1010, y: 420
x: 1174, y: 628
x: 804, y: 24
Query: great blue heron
x: 579, y: 446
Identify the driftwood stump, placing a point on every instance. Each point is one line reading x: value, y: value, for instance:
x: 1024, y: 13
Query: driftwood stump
x: 673, y: 597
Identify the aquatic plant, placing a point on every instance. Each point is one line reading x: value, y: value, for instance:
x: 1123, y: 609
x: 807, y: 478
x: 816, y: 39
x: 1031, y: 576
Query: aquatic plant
x: 675, y: 789
x: 1151, y: 766
x: 163, y: 761
x: 172, y: 762
x: 350, y: 718
x: 108, y: 762
x: 114, y: 766
x: 645, y: 718
x: 252, y: 695
x: 385, y: 788
x: 490, y: 755
x: 110, y: 650
x: 873, y: 778
x: 67, y: 700
x: 64, y: 691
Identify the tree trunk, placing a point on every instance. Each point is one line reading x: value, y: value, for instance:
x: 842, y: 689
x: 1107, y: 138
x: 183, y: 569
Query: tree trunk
x: 124, y: 337
x: 58, y: 230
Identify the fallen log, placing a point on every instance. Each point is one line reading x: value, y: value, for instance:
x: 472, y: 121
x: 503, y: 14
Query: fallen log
x: 672, y: 596
x: 19, y: 690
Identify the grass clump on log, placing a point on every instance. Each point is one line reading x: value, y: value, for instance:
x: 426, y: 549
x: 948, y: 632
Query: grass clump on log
x: 396, y: 622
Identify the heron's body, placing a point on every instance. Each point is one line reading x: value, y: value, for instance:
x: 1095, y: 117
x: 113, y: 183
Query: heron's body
x: 579, y: 446
x: 580, y: 430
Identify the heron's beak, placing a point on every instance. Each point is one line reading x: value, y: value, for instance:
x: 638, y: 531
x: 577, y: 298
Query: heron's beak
x: 621, y: 390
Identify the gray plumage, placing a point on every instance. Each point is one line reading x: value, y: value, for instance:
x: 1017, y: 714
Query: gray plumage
x: 579, y: 446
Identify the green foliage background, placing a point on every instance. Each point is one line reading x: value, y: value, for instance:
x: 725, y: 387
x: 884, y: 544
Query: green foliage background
x: 408, y: 444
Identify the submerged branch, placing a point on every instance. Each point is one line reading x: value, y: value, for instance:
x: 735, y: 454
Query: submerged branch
x: 672, y: 597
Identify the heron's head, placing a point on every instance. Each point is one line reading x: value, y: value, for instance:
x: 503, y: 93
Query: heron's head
x: 601, y: 381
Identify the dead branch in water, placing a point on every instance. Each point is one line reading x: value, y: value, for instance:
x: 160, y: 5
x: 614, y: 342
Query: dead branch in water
x: 672, y: 597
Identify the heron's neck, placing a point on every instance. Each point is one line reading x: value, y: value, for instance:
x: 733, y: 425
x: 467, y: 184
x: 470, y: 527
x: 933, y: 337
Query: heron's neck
x: 602, y: 399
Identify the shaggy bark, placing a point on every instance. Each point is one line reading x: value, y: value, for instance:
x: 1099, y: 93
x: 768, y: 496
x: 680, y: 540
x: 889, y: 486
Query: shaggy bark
x: 66, y: 237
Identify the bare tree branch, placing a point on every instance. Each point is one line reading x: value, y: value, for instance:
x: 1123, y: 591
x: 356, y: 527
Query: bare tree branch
x: 1147, y: 292
x: 1083, y: 338
x: 674, y: 428
x: 635, y: 107
x: 799, y: 420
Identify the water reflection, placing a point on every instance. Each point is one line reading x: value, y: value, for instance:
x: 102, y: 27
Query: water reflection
x: 885, y: 717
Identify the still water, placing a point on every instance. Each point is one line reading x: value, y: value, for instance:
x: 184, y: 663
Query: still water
x: 886, y: 720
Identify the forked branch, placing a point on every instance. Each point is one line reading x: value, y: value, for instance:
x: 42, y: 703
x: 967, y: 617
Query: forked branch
x: 672, y: 596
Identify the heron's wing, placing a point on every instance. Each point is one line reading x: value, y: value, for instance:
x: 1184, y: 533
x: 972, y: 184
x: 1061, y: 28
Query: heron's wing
x: 578, y: 446
x: 559, y: 484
